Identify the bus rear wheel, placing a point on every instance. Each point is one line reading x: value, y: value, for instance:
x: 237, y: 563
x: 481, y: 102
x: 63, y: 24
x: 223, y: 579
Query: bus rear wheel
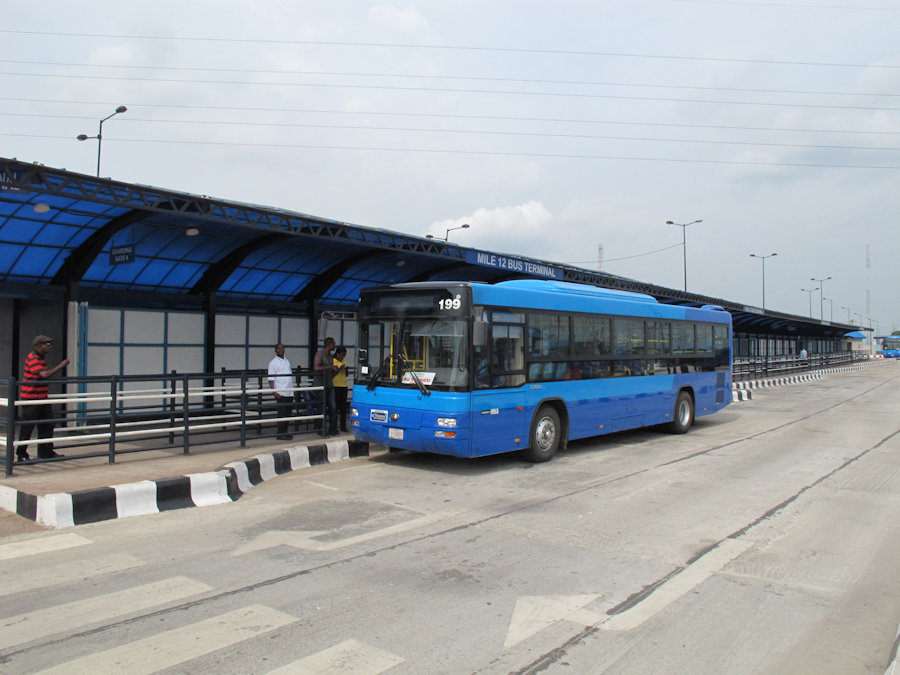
x: 545, y: 438
x: 683, y: 416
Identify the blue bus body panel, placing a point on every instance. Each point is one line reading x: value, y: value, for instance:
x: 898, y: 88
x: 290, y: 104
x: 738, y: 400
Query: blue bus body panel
x: 494, y: 421
x: 416, y: 419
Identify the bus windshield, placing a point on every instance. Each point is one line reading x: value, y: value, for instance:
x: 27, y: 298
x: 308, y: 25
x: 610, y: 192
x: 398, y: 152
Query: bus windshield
x: 427, y: 352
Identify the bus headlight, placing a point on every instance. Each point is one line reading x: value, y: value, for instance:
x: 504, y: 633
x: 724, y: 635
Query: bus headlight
x: 354, y: 412
x: 446, y: 421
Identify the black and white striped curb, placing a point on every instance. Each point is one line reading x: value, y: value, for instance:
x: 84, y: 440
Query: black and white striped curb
x: 223, y: 485
x: 743, y: 391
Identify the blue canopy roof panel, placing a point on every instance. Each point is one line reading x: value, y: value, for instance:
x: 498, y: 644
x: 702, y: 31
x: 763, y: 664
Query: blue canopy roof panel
x: 60, y: 230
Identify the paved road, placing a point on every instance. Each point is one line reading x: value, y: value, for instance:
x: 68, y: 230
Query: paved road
x: 764, y: 541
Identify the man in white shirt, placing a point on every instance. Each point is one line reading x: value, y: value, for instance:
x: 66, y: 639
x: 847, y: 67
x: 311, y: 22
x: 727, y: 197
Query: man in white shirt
x: 281, y: 382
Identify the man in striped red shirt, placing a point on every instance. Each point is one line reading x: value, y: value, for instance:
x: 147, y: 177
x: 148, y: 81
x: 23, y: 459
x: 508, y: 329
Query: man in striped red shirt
x: 35, y: 389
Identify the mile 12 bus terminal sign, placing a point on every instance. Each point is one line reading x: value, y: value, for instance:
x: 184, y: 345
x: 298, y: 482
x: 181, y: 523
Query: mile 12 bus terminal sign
x: 513, y: 264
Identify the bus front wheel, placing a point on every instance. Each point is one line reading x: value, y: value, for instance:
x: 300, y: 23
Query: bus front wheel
x: 683, y: 416
x: 546, y: 432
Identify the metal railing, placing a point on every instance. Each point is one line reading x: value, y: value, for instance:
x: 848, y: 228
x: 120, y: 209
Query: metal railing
x: 756, y: 367
x: 111, y: 416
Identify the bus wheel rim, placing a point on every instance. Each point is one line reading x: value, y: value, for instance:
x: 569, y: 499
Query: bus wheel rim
x: 684, y: 412
x: 545, y: 434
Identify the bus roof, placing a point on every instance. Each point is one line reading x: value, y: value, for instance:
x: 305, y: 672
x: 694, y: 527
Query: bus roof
x: 566, y: 296
x: 579, y: 289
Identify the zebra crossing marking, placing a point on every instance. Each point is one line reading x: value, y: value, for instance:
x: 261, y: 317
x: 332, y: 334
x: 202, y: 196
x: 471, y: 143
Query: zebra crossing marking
x: 56, y: 542
x: 67, y: 572
x: 350, y: 657
x: 172, y: 647
x: 42, y: 623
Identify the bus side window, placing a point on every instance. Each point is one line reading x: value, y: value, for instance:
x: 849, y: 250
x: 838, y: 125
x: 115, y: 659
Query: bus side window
x: 508, y: 356
x: 482, y: 366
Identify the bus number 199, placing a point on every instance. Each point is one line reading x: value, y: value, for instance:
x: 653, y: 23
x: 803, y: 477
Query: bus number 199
x: 449, y: 304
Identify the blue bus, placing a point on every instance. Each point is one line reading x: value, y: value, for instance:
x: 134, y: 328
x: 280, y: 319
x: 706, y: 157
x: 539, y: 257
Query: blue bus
x: 473, y: 369
x: 890, y: 347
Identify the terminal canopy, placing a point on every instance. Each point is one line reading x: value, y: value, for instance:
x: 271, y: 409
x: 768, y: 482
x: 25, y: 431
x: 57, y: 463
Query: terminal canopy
x: 89, y: 238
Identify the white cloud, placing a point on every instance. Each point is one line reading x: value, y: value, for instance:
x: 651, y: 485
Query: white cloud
x: 401, y: 19
x: 508, y: 229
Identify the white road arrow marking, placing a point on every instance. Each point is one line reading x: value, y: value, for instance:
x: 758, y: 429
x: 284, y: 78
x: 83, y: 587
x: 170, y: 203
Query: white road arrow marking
x: 534, y: 613
x: 311, y: 541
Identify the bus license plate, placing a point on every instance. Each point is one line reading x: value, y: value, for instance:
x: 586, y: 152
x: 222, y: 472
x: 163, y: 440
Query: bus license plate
x: 395, y: 434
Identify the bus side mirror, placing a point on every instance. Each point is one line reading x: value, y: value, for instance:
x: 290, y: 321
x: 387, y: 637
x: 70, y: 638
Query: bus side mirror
x: 480, y: 333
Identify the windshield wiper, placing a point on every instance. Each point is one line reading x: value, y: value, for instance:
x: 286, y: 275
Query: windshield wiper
x: 405, y: 365
x: 379, y: 373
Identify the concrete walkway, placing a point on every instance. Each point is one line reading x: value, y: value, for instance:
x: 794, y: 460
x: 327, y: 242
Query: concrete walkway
x: 89, y: 489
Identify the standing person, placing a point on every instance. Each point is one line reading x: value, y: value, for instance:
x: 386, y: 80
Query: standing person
x: 324, y: 367
x: 340, y: 386
x: 281, y: 383
x: 33, y: 389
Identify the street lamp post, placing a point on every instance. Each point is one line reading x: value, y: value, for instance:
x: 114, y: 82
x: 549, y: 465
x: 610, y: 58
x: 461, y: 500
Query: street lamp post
x: 683, y: 227
x: 848, y: 313
x: 810, y: 291
x: 99, y: 136
x: 821, y: 294
x: 763, y: 259
x: 447, y: 233
x: 830, y: 308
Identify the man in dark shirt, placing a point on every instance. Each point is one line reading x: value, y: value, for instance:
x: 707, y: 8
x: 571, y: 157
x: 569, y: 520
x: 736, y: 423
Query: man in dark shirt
x: 324, y: 368
x: 34, y: 389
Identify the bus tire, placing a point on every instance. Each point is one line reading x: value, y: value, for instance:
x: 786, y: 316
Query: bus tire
x: 546, y: 434
x: 683, y: 415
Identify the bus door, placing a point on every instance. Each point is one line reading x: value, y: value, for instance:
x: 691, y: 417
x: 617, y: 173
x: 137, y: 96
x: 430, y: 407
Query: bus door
x: 499, y: 416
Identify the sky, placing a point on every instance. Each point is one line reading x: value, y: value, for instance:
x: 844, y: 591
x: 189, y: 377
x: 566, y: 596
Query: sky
x: 551, y: 129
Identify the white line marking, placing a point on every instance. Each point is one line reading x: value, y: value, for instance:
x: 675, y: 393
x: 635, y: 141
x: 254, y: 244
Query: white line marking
x: 348, y: 658
x: 66, y: 572
x: 42, y: 623
x: 56, y: 542
x: 324, y: 487
x: 180, y: 644
x: 682, y: 583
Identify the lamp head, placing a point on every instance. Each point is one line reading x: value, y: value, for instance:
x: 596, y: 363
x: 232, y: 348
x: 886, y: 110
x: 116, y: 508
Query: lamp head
x: 121, y: 109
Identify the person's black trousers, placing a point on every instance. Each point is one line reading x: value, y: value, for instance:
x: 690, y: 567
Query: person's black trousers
x: 36, y: 415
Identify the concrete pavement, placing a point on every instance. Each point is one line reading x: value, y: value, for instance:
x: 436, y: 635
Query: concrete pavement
x: 89, y: 489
